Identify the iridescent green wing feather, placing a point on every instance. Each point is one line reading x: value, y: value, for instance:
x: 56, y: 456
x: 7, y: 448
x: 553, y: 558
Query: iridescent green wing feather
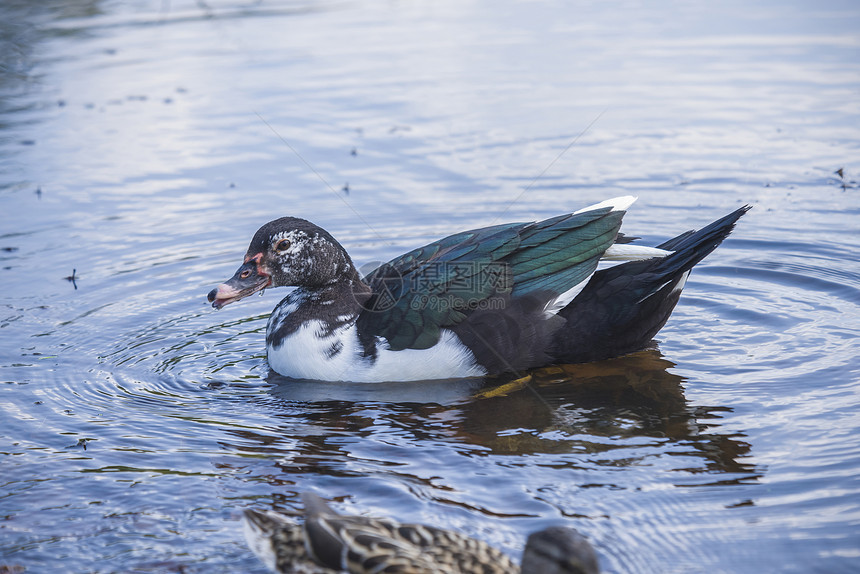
x: 438, y: 285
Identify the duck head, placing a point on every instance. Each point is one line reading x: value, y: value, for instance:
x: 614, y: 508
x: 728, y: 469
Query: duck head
x: 286, y: 252
x: 559, y: 550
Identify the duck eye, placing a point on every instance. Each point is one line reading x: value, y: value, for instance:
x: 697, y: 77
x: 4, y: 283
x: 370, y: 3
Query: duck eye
x: 282, y: 245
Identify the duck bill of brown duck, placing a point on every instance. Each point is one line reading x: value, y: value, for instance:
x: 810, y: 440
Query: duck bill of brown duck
x: 248, y: 279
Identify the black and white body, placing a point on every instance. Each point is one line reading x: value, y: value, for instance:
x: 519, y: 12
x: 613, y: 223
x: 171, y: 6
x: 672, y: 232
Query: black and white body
x: 499, y: 299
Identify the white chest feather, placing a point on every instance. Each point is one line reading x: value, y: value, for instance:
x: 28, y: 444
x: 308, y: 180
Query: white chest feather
x: 312, y: 353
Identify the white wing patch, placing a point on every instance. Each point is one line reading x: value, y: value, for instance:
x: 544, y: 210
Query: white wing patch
x: 616, y: 203
x: 676, y: 289
x: 629, y: 252
x: 560, y: 302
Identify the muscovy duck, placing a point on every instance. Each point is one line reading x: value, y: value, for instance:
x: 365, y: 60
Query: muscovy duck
x: 500, y: 299
x: 328, y: 543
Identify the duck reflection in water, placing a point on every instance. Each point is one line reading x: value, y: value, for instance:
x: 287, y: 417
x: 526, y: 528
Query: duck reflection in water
x: 632, y: 396
x: 584, y: 408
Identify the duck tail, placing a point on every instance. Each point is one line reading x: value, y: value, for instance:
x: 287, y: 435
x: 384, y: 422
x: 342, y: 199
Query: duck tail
x: 623, y: 307
x: 691, y: 247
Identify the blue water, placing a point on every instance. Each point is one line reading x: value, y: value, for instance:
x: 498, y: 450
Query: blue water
x: 142, y: 144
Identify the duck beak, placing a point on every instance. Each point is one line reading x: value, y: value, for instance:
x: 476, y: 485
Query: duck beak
x: 247, y: 280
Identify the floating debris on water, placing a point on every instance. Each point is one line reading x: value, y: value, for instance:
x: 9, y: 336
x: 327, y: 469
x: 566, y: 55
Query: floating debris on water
x: 72, y: 278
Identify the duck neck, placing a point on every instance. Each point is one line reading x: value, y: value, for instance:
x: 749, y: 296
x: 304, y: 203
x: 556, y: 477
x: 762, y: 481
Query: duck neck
x: 345, y: 295
x: 333, y: 305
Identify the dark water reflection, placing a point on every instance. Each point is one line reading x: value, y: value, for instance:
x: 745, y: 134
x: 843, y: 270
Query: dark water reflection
x: 587, y: 410
x: 142, y: 143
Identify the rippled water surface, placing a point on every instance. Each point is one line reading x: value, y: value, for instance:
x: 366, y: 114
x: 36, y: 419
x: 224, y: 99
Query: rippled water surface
x: 143, y: 142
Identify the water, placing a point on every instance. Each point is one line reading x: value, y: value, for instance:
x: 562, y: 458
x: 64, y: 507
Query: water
x: 142, y: 143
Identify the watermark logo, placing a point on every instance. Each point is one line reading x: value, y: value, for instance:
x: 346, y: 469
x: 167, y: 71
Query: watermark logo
x: 443, y: 303
x: 437, y: 286
x: 387, y: 283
